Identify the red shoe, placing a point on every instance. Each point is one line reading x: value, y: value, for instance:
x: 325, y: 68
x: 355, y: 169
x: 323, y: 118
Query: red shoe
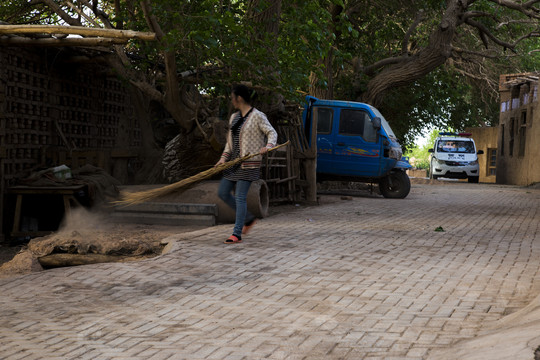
x: 248, y: 226
x: 233, y: 239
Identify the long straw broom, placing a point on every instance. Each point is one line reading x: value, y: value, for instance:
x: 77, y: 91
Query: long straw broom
x: 128, y: 198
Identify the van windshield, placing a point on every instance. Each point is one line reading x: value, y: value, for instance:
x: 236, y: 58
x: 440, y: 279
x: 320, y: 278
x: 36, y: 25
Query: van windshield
x: 384, y: 123
x: 455, y: 146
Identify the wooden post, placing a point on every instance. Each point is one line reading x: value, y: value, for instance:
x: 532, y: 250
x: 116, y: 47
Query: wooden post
x: 310, y: 163
x: 2, y: 188
x: 17, y: 220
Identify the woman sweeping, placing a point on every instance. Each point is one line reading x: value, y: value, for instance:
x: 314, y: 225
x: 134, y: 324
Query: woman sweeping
x: 250, y: 132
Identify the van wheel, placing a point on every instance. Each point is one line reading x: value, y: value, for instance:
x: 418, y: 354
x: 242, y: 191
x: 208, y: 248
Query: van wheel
x: 473, y: 179
x: 431, y: 170
x: 396, y: 185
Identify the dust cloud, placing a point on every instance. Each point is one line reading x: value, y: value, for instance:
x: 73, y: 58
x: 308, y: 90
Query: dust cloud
x: 82, y: 219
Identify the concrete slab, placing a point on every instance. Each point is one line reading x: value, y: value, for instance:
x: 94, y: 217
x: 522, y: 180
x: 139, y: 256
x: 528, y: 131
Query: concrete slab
x: 165, y: 213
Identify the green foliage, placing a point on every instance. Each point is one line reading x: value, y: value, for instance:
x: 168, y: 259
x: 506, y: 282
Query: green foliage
x: 420, y: 152
x: 224, y: 42
x: 22, y: 12
x: 440, y: 100
x: 461, y: 93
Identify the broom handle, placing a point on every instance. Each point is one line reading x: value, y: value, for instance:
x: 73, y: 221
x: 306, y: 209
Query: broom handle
x: 142, y: 196
x: 249, y: 156
x: 276, y: 147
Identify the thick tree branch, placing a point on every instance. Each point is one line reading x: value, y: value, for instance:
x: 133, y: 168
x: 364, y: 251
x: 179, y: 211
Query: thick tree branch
x: 118, y: 9
x: 65, y: 16
x: 370, y: 69
x: 148, y: 90
x: 525, y: 8
x: 472, y: 14
x: 412, y: 28
x: 411, y: 68
x: 98, y: 12
x: 151, y: 20
x: 82, y: 14
x: 485, y: 31
x: 172, y: 91
x: 459, y: 52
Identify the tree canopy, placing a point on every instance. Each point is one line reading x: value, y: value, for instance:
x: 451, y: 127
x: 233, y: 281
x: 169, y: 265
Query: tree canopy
x: 422, y: 62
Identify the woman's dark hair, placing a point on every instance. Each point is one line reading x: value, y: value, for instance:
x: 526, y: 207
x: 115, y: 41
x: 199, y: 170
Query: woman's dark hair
x: 244, y: 92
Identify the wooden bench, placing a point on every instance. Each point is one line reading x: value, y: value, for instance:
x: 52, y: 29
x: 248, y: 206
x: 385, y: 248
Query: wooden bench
x: 67, y: 193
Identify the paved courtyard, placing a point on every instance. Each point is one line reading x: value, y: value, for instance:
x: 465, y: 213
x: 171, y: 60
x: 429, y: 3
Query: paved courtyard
x: 365, y: 278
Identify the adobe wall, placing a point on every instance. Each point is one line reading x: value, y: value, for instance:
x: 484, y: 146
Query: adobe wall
x: 53, y: 110
x: 519, y: 131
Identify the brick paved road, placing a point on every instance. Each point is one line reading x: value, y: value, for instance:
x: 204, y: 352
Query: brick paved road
x: 367, y: 278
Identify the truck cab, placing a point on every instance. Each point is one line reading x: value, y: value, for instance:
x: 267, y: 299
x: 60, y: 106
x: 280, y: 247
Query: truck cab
x: 356, y: 143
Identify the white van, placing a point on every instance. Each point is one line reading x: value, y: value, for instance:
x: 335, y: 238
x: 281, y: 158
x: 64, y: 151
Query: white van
x: 454, y: 156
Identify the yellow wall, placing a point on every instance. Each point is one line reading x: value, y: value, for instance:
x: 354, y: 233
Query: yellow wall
x: 485, y: 138
x: 518, y: 164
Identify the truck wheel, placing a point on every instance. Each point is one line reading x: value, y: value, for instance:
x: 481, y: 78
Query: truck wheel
x: 396, y: 185
x: 473, y: 179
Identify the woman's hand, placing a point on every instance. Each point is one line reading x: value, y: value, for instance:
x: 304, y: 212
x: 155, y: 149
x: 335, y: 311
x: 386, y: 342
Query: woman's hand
x: 263, y: 150
x: 221, y: 161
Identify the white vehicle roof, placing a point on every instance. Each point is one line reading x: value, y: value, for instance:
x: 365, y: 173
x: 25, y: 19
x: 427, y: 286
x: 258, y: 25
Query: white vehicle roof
x: 455, y: 138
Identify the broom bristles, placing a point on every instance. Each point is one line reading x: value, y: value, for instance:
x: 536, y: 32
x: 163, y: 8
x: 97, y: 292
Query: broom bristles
x: 128, y: 198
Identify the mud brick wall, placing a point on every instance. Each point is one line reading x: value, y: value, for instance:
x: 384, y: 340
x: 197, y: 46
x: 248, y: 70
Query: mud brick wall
x: 52, y: 109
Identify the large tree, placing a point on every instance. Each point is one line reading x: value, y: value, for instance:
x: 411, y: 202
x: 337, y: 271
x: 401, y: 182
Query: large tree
x: 418, y: 60
x: 433, y: 62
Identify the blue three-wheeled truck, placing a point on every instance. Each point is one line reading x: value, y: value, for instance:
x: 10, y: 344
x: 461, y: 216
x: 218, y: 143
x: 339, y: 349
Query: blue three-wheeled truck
x: 356, y: 143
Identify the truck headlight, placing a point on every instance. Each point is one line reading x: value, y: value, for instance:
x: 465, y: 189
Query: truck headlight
x: 395, y: 153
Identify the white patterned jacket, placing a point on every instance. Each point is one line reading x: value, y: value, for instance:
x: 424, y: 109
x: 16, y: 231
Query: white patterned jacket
x: 255, y: 133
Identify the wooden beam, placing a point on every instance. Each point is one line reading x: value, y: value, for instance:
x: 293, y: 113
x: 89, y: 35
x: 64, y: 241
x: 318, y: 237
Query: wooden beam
x: 24, y: 41
x: 62, y: 260
x: 76, y: 30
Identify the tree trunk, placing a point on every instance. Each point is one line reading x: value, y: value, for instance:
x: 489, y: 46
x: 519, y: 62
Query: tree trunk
x: 171, y: 97
x: 315, y: 89
x: 267, y: 22
x: 435, y: 54
x: 151, y: 171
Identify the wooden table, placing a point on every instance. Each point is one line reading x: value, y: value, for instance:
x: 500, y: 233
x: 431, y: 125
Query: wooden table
x: 67, y: 193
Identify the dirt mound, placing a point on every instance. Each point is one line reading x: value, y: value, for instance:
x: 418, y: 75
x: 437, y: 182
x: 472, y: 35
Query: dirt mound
x: 86, y: 238
x: 23, y: 263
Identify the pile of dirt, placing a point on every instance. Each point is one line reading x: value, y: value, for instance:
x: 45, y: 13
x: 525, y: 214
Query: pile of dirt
x: 23, y: 263
x: 86, y: 238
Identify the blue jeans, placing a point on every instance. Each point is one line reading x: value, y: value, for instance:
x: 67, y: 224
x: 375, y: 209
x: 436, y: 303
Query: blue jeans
x: 238, y: 202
